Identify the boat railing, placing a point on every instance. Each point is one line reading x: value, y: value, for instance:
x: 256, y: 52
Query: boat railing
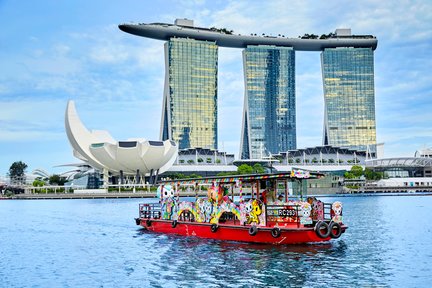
x: 327, y: 211
x: 152, y: 210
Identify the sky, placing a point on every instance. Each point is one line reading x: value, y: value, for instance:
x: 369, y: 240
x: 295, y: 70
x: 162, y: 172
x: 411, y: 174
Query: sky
x: 52, y: 51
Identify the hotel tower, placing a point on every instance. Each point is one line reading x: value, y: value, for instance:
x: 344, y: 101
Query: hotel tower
x: 269, y: 122
x: 349, y: 98
x: 189, y: 115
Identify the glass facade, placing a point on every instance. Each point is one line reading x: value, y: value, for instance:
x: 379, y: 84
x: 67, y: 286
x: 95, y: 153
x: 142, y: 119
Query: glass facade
x: 349, y: 98
x: 189, y: 115
x: 269, y: 119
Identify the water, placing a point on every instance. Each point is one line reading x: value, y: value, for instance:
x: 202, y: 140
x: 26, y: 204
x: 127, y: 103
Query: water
x: 95, y: 243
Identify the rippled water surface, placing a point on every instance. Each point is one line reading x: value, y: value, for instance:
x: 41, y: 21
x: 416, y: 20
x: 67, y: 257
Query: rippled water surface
x: 95, y: 243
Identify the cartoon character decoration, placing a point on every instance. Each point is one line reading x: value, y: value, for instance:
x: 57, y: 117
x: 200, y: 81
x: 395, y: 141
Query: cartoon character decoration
x: 225, y: 207
x: 305, y: 213
x: 204, y: 208
x: 317, y: 210
x: 256, y: 211
x: 251, y: 212
x: 215, y: 193
x: 337, y: 212
x: 186, y: 206
x: 168, y: 203
x: 165, y: 191
x: 218, y: 194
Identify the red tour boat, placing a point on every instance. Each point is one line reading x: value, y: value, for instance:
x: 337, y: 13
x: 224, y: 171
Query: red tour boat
x: 262, y: 212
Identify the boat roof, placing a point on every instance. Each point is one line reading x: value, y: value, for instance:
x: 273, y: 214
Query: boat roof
x: 294, y: 174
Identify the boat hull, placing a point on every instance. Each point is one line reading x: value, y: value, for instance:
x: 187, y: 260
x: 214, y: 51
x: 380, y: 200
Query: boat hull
x: 226, y: 232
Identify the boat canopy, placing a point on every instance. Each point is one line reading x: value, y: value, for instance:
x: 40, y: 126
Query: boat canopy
x: 293, y: 175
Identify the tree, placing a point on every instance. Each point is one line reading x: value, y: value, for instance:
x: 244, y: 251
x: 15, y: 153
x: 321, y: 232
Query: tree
x: 57, y: 180
x: 194, y: 175
x: 258, y: 168
x: 372, y: 175
x: 176, y: 176
x: 17, y: 171
x: 38, y: 183
x: 226, y: 173
x: 349, y: 175
x: 357, y: 171
x: 245, y: 169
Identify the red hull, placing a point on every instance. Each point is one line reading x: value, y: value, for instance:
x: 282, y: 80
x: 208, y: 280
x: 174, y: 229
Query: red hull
x: 227, y: 232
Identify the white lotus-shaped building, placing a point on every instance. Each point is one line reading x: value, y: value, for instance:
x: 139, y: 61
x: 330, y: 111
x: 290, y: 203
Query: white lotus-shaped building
x: 131, y: 157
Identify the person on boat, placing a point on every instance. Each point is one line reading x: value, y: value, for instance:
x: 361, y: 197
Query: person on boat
x: 263, y: 197
x: 280, y: 198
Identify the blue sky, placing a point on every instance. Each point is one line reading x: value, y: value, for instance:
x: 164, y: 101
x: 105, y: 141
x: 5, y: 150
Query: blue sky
x: 52, y: 51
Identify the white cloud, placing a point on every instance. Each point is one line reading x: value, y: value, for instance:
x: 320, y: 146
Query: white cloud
x: 108, y: 54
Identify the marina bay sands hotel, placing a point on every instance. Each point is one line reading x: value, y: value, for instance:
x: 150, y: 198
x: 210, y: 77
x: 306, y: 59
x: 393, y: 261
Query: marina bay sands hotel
x: 189, y: 115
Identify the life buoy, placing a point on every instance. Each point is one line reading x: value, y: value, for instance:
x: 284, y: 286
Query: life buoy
x: 214, y: 228
x: 253, y: 230
x: 148, y: 222
x: 174, y: 224
x: 335, y: 230
x: 276, y: 232
x: 322, y: 229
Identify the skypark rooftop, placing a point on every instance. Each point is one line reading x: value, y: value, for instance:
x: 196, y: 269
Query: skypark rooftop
x: 224, y: 38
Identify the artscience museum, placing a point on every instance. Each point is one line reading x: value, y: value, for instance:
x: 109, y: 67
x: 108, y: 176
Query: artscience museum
x: 134, y: 157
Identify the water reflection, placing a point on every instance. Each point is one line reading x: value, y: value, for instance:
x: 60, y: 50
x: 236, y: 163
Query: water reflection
x: 189, y: 260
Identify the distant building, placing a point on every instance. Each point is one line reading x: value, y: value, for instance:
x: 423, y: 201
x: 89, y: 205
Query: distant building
x: 189, y: 115
x: 323, y: 155
x: 402, y: 167
x: 202, y: 161
x: 269, y: 118
x: 203, y: 156
x: 349, y: 98
x: 426, y: 152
